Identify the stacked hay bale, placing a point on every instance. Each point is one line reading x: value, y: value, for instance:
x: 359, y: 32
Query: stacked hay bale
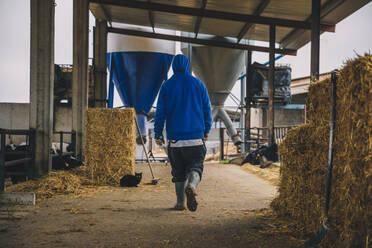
x: 305, y: 154
x: 109, y: 144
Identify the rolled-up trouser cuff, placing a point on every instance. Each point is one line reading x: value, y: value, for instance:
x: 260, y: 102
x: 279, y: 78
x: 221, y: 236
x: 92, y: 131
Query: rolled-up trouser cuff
x: 186, y: 159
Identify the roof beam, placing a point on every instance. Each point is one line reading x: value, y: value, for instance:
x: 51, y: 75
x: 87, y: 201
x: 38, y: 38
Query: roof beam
x: 326, y: 9
x: 199, y: 41
x: 198, y: 21
x: 151, y: 19
x: 174, y: 9
x: 260, y: 8
x: 105, y: 14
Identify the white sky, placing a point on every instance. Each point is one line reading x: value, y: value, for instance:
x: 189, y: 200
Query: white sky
x: 353, y: 35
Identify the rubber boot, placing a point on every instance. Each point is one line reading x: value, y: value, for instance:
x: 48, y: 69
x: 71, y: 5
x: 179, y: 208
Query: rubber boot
x: 180, y: 192
x: 193, y: 181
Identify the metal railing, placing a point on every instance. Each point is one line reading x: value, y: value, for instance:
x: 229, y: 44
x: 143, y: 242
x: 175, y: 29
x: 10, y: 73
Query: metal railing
x: 61, y: 142
x: 280, y: 133
x: 27, y: 155
x: 259, y: 135
x: 258, y: 138
x: 22, y: 165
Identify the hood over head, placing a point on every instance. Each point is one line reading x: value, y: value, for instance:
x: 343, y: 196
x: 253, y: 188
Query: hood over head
x: 180, y: 64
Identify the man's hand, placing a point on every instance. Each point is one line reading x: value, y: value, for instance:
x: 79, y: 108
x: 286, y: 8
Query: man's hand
x: 159, y: 142
x: 206, y: 136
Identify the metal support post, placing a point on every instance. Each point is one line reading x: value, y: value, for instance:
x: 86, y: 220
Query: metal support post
x: 189, y: 55
x: 31, y: 142
x: 270, y: 113
x: 2, y: 161
x: 80, y: 71
x: 61, y: 143
x: 222, y: 135
x: 315, y: 40
x: 100, y: 64
x: 73, y: 142
x: 242, y: 114
x: 42, y: 82
x: 248, y: 100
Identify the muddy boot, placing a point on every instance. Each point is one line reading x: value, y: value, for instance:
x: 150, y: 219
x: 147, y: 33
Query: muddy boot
x: 180, y: 192
x: 193, y: 181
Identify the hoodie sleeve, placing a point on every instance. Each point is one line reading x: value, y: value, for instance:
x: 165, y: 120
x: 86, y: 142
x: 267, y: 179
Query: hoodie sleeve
x: 206, y: 110
x: 160, y: 114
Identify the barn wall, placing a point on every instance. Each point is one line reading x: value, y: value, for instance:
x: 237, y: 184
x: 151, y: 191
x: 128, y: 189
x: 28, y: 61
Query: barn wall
x: 63, y: 122
x: 288, y: 117
x: 16, y: 116
x: 283, y: 117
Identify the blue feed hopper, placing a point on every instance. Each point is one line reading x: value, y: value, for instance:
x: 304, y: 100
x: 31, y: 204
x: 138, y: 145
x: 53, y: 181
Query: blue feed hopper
x: 137, y: 76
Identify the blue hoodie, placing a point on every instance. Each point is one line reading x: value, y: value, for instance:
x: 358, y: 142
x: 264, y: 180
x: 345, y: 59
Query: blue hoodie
x: 184, y: 105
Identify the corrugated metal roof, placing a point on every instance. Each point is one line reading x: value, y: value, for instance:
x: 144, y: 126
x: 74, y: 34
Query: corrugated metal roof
x: 234, y: 6
x: 220, y: 27
x: 332, y: 12
x: 174, y: 21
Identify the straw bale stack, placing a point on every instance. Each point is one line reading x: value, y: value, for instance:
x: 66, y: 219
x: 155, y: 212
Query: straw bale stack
x: 109, y: 144
x: 304, y: 165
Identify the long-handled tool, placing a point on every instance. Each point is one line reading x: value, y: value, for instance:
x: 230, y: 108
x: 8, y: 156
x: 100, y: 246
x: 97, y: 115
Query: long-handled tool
x: 317, y: 238
x: 154, y: 180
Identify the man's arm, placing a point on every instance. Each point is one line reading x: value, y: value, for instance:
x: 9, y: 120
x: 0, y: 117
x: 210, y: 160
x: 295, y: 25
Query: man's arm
x: 207, y: 112
x: 160, y: 114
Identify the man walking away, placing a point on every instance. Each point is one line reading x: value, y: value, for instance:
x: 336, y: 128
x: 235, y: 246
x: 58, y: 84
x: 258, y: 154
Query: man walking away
x: 184, y: 105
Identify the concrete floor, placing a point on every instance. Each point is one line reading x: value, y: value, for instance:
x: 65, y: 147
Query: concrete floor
x: 141, y: 217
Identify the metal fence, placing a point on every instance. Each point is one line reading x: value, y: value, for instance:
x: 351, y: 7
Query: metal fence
x: 259, y: 136
x: 20, y: 163
x: 24, y: 158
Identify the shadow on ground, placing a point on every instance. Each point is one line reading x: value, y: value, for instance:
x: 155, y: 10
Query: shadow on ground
x: 230, y: 215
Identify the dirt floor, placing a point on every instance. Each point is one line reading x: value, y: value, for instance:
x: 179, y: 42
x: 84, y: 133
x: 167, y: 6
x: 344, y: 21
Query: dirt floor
x: 231, y: 213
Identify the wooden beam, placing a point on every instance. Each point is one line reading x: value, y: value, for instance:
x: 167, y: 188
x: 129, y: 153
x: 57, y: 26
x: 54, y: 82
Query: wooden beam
x: 200, y: 41
x: 260, y: 8
x: 174, y: 9
x: 198, y: 21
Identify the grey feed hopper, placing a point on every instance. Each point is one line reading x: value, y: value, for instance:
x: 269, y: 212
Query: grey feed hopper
x: 219, y: 69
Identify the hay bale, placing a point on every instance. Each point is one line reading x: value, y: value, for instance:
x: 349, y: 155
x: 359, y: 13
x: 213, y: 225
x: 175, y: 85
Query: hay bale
x: 109, y: 154
x: 109, y: 144
x: 304, y: 165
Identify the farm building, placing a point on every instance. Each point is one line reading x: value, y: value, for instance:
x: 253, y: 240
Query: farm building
x: 167, y: 129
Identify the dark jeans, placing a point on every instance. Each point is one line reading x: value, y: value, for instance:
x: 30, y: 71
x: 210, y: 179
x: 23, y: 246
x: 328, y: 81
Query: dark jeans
x: 186, y: 159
